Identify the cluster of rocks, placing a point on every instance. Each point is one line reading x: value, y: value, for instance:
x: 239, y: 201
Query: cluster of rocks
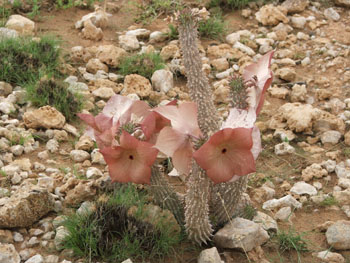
x: 313, y: 106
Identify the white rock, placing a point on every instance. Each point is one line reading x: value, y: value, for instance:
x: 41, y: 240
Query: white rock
x: 139, y: 33
x: 287, y: 200
x: 266, y: 222
x: 162, y: 80
x: 338, y: 235
x: 301, y: 188
x: 93, y: 172
x: 344, y: 183
x: 244, y: 48
x: 61, y: 234
x: 129, y: 42
x: 103, y: 93
x: 7, y: 33
x: 157, y: 36
x: 330, y: 257
x: 305, y: 61
x: 284, y: 148
x: 7, y: 107
x: 8, y: 254
x: 331, y: 137
x: 52, y: 146
x: 283, y: 214
x: 17, y: 150
x: 242, y: 234
x: 331, y: 14
x: 298, y: 21
x: 35, y: 259
x: 210, y: 255
x: 79, y: 155
x: 21, y: 24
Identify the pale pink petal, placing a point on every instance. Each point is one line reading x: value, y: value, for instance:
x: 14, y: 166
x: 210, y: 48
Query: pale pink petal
x: 240, y: 118
x: 153, y: 123
x: 121, y: 108
x: 256, y: 149
x: 174, y: 172
x: 227, y: 153
x: 89, y: 119
x: 103, y: 122
x: 169, y: 140
x: 182, y: 158
x: 264, y: 75
x: 183, y: 117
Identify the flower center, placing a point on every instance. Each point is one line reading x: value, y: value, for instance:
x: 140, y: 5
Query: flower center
x: 223, y: 150
x: 131, y: 157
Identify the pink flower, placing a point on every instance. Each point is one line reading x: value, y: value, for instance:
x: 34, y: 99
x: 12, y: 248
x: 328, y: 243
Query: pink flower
x: 264, y: 77
x: 154, y: 122
x: 101, y: 128
x: 175, y: 141
x: 131, y: 161
x: 227, y: 154
x: 121, y: 108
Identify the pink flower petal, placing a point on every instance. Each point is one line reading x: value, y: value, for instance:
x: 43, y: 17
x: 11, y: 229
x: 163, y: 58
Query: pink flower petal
x: 262, y: 71
x: 183, y: 117
x: 89, y: 119
x: 131, y: 161
x: 121, y: 108
x: 256, y: 149
x: 176, y: 145
x: 226, y: 154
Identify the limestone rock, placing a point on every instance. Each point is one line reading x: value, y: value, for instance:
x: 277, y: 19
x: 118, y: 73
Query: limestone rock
x: 298, y: 21
x: 279, y: 93
x: 298, y: 93
x: 266, y: 222
x: 134, y: 83
x: 26, y: 206
x: 343, y: 197
x: 287, y: 200
x: 295, y: 6
x: 7, y: 33
x: 21, y: 24
x: 284, y: 148
x: 162, y: 80
x: 79, y: 155
x: 98, y: 18
x: 85, y: 190
x: 110, y: 55
x: 283, y: 214
x: 61, y: 234
x: 301, y: 188
x: 331, y: 137
x: 210, y: 255
x: 241, y: 234
x: 330, y: 257
x: 44, y: 117
x: 313, y: 171
x: 157, y: 36
x: 270, y: 15
x: 8, y: 254
x: 224, y: 51
x: 220, y: 64
x: 5, y: 89
x: 90, y: 31
x: 287, y: 74
x: 94, y: 64
x: 298, y: 116
x: 85, y: 143
x: 139, y: 33
x: 331, y: 14
x: 170, y: 51
x: 103, y: 93
x: 129, y: 42
x: 338, y: 235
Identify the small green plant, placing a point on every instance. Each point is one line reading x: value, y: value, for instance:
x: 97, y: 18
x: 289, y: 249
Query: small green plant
x: 55, y: 93
x: 24, y: 61
x: 112, y: 234
x: 213, y: 28
x: 155, y: 8
x: 4, y: 15
x: 299, y: 56
x: 173, y: 33
x: 3, y: 173
x: 291, y: 240
x: 249, y: 212
x: 329, y: 201
x: 346, y: 152
x: 144, y: 64
x: 35, y: 9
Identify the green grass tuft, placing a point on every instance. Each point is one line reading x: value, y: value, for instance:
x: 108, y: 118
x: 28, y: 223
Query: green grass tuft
x: 213, y: 28
x: 149, y: 10
x: 329, y: 201
x: 144, y: 64
x: 55, y: 93
x: 291, y: 240
x: 111, y: 234
x: 25, y: 61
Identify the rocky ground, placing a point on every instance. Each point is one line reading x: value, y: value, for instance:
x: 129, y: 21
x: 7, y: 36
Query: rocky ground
x: 302, y: 184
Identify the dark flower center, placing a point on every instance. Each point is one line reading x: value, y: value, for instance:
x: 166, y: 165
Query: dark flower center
x: 224, y: 150
x: 131, y: 157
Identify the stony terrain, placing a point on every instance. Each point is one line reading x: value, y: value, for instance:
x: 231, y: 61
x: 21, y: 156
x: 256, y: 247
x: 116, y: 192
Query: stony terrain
x: 302, y: 185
